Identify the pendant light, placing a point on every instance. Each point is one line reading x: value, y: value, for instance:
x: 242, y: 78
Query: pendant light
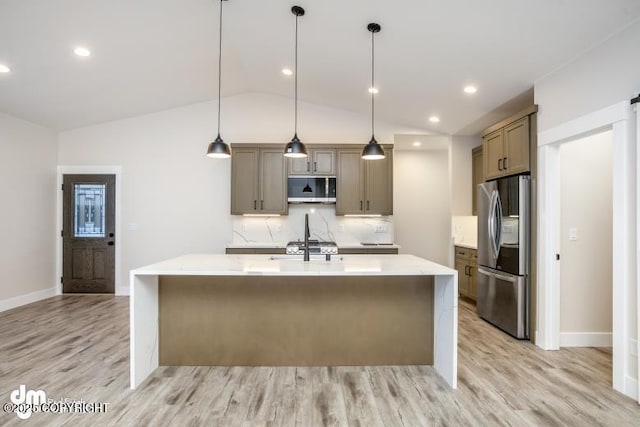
x: 373, y: 150
x: 296, y: 148
x: 218, y: 148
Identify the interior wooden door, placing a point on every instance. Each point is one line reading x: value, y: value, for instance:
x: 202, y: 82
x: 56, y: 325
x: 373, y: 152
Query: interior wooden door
x: 88, y: 234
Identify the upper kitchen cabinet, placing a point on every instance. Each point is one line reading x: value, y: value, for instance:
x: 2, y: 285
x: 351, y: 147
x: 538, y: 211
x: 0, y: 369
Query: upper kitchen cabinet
x: 258, y: 180
x: 320, y: 161
x: 477, y: 177
x: 506, y: 146
x: 364, y: 187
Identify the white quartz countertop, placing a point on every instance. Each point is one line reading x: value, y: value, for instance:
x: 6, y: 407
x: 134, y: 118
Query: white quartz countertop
x: 283, y: 265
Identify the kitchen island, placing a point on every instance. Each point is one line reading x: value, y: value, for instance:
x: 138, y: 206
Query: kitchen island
x: 262, y: 310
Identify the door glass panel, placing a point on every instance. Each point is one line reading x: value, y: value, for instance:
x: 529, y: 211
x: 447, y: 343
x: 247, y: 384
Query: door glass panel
x: 89, y: 209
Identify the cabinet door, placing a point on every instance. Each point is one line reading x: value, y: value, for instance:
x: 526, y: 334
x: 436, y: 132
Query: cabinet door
x: 273, y: 182
x: 493, y: 152
x: 300, y: 166
x: 463, y: 279
x: 349, y: 182
x: 324, y: 161
x: 379, y: 185
x: 244, y: 180
x: 473, y: 294
x: 477, y: 177
x: 516, y: 143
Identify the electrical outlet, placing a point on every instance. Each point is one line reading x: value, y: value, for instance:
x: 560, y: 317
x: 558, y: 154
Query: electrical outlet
x: 244, y: 228
x: 634, y: 348
x: 381, y: 228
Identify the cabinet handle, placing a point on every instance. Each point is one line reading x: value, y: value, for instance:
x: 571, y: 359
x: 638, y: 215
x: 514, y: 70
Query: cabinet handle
x: 315, y: 166
x: 308, y: 166
x: 261, y: 204
x: 465, y: 270
x: 368, y: 205
x: 360, y: 204
x: 255, y: 205
x: 504, y: 163
x: 499, y: 164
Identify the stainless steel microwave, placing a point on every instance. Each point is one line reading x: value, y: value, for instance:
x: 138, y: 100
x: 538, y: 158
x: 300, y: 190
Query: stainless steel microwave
x: 312, y: 189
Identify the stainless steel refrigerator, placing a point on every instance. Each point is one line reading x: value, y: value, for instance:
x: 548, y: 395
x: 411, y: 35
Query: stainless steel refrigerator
x: 503, y: 254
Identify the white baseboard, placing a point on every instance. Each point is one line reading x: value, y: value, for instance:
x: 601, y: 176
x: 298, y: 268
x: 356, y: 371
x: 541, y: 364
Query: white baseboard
x: 9, y: 303
x: 122, y: 291
x: 586, y: 339
x: 631, y: 388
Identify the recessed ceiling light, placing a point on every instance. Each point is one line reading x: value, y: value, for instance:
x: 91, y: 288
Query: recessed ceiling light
x: 4, y: 68
x: 373, y: 90
x: 470, y: 89
x: 417, y: 144
x: 287, y: 72
x: 434, y: 119
x: 82, y: 51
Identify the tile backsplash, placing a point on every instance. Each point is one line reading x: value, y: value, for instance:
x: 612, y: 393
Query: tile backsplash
x: 323, y: 225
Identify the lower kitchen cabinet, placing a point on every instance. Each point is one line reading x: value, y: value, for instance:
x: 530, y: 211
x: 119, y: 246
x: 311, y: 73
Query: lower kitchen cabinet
x: 368, y: 251
x: 466, y: 263
x: 253, y: 251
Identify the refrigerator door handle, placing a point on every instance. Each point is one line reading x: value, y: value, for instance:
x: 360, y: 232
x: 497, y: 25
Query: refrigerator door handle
x: 498, y: 223
x: 512, y: 279
x: 493, y: 232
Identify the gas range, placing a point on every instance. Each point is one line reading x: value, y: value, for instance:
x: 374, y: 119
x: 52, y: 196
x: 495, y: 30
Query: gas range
x: 315, y: 247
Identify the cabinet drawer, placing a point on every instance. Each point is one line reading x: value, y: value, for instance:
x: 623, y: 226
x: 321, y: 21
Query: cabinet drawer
x: 473, y: 257
x: 462, y: 252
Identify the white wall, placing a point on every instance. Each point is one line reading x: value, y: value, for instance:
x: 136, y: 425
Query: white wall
x: 175, y: 200
x: 586, y: 265
x: 607, y: 74
x: 27, y: 220
x: 422, y: 204
x: 461, y: 173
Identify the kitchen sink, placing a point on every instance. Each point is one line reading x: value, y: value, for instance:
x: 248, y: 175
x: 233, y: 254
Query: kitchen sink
x: 313, y: 258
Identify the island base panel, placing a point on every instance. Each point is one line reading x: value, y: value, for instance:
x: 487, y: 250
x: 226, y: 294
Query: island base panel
x: 296, y: 321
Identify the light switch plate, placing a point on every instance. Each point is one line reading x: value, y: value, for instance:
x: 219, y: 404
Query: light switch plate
x: 573, y: 234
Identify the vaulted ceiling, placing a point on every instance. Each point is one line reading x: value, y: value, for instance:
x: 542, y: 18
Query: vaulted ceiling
x: 150, y: 55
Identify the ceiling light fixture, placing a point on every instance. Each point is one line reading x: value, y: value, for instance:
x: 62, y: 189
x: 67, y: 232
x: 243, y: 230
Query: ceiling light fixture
x: 4, y: 69
x: 470, y: 89
x: 417, y: 144
x: 373, y: 90
x: 434, y: 119
x: 82, y: 51
x: 287, y: 72
x: 295, y: 148
x: 373, y: 150
x: 218, y: 148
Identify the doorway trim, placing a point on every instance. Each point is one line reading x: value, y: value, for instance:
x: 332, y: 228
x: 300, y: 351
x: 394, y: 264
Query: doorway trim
x: 617, y: 118
x: 90, y: 170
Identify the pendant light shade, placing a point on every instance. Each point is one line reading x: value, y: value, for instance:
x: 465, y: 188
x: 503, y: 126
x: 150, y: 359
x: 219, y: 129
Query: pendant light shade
x: 296, y: 148
x: 219, y: 149
x: 373, y: 150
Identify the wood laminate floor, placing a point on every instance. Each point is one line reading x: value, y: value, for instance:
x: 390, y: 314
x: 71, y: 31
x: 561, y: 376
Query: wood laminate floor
x: 77, y: 347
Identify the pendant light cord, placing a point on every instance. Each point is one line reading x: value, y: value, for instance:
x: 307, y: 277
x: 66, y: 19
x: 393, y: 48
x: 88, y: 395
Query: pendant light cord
x: 372, y: 82
x: 295, y: 124
x: 219, y: 66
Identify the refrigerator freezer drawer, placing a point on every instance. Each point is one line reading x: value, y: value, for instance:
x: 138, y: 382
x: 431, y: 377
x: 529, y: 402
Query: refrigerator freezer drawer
x: 502, y: 301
